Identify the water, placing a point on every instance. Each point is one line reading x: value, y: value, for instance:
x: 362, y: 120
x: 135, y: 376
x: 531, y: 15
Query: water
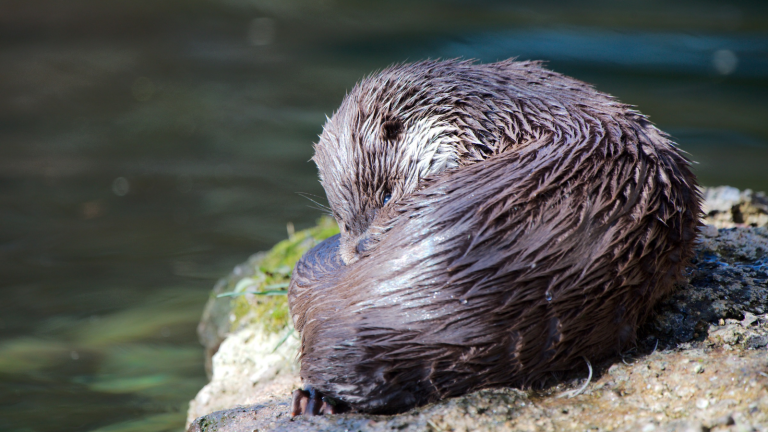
x: 148, y: 147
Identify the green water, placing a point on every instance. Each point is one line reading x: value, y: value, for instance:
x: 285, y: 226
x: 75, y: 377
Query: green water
x: 147, y: 147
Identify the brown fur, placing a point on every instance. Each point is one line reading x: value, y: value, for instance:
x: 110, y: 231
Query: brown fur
x: 542, y: 225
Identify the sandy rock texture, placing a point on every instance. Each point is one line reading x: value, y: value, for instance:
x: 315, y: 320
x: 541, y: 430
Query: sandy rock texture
x: 251, y: 367
x: 694, y: 390
x: 250, y: 345
x: 700, y: 363
x: 727, y: 207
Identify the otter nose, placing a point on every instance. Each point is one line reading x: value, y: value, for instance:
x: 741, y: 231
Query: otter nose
x: 348, y: 251
x: 354, y: 249
x: 363, y: 245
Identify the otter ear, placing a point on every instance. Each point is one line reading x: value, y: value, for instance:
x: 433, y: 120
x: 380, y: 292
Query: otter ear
x: 391, y: 129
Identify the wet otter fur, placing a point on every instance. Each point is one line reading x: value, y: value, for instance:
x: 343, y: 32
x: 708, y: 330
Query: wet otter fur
x: 498, y: 223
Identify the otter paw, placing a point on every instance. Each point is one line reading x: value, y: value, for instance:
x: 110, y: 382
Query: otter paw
x: 311, y: 402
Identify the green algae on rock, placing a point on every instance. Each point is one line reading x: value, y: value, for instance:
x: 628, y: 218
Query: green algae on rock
x: 264, y: 271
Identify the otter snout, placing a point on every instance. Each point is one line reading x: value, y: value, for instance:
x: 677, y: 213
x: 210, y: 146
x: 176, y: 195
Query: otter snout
x: 355, y: 247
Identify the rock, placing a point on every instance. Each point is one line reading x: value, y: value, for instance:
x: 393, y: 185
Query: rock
x: 250, y: 345
x: 709, y: 231
x: 727, y: 388
x: 215, y: 324
x: 755, y: 342
x: 720, y: 199
x: 263, y: 271
x: 727, y: 207
x: 700, y: 363
x: 728, y: 284
x: 250, y: 367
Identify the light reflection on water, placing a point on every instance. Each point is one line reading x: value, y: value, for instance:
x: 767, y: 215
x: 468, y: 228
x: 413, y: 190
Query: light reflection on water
x: 658, y: 52
x: 148, y: 147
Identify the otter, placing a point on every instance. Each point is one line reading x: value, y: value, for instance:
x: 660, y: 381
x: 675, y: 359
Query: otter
x: 498, y: 223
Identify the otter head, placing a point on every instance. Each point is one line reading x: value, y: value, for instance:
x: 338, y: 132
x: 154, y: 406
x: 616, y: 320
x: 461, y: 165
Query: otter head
x: 391, y: 132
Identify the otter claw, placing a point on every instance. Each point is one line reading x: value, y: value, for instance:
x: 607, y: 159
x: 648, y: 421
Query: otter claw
x: 299, y: 402
x: 311, y: 403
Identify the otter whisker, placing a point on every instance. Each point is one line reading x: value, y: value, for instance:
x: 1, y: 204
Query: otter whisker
x: 655, y: 346
x: 576, y: 392
x: 321, y: 207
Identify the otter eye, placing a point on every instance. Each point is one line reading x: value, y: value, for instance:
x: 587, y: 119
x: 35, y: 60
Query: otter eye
x: 387, y: 197
x: 392, y: 129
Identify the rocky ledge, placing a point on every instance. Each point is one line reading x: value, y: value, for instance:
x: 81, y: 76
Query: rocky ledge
x: 701, y: 363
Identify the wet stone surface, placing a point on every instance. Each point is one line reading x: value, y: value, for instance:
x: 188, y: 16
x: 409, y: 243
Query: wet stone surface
x: 728, y: 286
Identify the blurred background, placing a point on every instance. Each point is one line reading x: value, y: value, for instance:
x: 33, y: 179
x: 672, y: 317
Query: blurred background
x: 147, y: 147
